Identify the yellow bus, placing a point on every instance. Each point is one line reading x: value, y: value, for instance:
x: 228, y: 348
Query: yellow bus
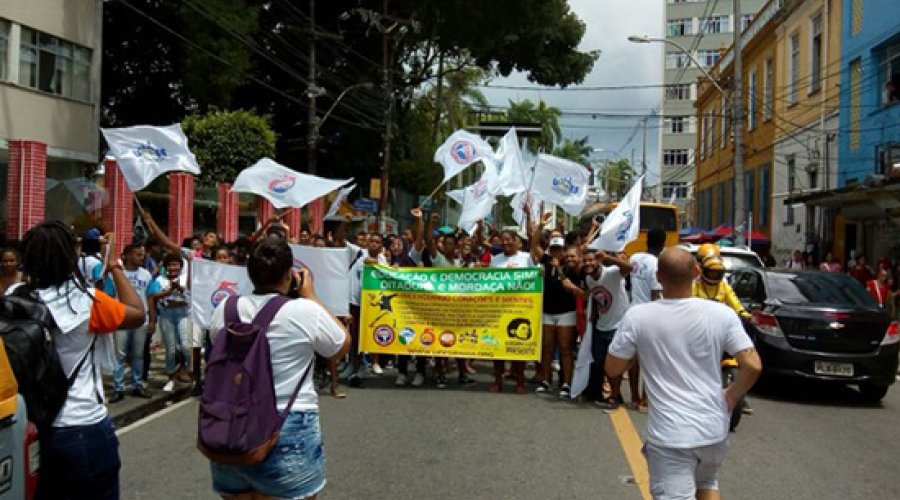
x: 653, y: 216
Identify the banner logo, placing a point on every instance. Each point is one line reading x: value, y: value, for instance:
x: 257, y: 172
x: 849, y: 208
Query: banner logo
x: 147, y: 151
x: 407, y: 335
x: 603, y: 298
x: 427, y: 337
x: 625, y: 228
x: 384, y: 335
x: 221, y: 294
x: 282, y: 184
x: 565, y: 186
x: 463, y: 152
x: 448, y: 338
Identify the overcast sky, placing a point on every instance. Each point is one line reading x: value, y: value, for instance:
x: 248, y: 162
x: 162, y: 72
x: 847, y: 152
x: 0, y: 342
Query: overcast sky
x: 609, y: 23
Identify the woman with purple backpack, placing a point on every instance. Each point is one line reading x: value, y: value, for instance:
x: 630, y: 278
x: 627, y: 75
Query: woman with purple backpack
x: 295, y: 330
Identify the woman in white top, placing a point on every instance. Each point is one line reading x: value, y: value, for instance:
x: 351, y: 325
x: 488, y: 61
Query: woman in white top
x: 79, y: 453
x: 295, y: 468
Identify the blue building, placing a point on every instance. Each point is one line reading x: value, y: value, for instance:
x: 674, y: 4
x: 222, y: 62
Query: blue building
x: 869, y: 130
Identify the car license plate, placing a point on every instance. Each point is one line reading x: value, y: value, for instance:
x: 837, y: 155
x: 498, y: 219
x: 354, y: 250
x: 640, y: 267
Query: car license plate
x: 836, y: 369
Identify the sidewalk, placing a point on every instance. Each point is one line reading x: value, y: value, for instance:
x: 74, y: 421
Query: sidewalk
x: 132, y: 409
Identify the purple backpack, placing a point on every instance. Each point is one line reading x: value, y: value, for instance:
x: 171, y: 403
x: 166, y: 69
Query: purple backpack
x: 239, y: 420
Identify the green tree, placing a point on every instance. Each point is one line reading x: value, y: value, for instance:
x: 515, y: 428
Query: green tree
x: 577, y: 150
x: 617, y: 176
x: 227, y: 142
x: 547, y: 116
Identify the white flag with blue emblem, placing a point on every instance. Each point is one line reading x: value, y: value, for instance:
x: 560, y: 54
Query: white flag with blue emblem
x: 143, y: 153
x: 459, y: 151
x: 336, y: 203
x: 476, y: 200
x: 514, y: 175
x: 623, y: 224
x: 282, y: 186
x: 211, y: 284
x: 561, y: 182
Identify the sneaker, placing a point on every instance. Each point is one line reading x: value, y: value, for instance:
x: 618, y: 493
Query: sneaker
x: 418, y: 380
x: 555, y: 366
x: 354, y: 380
x: 140, y: 392
x: 401, y: 380
x: 348, y: 371
x: 116, y: 397
x: 184, y: 375
x: 466, y: 380
x: 441, y: 382
x: 542, y: 388
x: 169, y: 387
x: 376, y: 369
x: 564, y: 392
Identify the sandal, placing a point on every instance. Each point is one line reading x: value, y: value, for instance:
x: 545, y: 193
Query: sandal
x: 495, y: 388
x: 338, y: 394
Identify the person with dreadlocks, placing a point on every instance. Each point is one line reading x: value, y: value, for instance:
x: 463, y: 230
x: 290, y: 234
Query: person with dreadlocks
x: 79, y: 454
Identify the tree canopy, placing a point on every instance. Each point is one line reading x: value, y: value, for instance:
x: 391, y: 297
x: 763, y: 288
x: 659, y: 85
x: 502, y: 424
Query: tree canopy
x: 227, y: 142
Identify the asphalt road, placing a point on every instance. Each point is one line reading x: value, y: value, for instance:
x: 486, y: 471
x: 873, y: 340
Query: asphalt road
x: 803, y: 442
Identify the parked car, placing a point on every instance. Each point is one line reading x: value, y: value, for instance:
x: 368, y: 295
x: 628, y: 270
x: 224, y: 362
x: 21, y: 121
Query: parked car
x: 733, y: 258
x: 19, y: 447
x: 820, y: 326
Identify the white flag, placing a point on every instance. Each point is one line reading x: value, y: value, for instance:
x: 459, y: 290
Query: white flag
x: 282, y: 186
x: 623, y: 224
x: 143, y: 153
x: 514, y: 175
x: 459, y: 151
x: 476, y: 200
x: 336, y: 203
x: 211, y: 284
x: 331, y: 275
x: 518, y: 204
x: 672, y: 199
x: 558, y: 181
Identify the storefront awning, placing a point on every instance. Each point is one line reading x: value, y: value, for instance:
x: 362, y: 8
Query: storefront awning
x: 870, y: 200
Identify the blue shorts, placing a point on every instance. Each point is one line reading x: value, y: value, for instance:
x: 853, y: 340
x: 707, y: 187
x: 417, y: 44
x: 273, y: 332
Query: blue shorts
x: 295, y: 468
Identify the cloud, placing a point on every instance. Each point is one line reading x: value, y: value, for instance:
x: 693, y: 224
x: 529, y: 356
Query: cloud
x: 609, y: 23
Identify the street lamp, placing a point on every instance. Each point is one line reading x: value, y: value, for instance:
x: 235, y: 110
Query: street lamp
x: 316, y: 123
x: 363, y: 85
x: 647, y: 39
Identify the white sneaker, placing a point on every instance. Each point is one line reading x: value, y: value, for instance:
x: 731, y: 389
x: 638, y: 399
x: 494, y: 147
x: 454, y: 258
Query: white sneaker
x: 169, y: 387
x: 401, y: 380
x: 376, y: 369
x: 555, y: 366
x: 418, y: 380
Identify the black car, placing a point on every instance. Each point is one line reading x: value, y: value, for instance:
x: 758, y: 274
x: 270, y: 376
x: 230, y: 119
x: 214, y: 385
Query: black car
x: 821, y: 326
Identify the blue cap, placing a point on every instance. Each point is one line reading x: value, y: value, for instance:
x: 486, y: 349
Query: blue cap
x: 91, y: 234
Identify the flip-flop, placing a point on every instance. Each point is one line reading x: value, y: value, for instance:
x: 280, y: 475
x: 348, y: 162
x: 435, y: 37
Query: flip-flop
x: 495, y: 388
x: 339, y: 394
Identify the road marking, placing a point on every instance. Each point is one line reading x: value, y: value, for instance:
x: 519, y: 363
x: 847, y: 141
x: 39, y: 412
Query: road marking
x: 150, y: 418
x: 631, y: 445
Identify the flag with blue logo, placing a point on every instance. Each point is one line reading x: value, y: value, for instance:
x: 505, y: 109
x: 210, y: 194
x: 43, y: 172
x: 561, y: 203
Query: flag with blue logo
x: 476, y: 200
x: 282, y: 186
x: 459, y: 151
x: 623, y: 224
x: 513, y: 174
x: 211, y: 284
x: 143, y: 153
x: 561, y: 182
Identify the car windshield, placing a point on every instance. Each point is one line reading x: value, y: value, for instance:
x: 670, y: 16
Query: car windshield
x: 737, y: 262
x: 819, y: 288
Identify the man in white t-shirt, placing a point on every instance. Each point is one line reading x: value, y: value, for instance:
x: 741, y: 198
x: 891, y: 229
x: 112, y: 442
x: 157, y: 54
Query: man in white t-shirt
x: 644, y: 288
x: 359, y: 257
x: 687, y: 429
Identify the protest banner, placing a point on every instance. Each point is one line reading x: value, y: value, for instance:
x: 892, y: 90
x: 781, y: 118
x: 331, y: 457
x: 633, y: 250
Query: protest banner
x: 330, y: 269
x: 466, y: 313
x: 211, y: 284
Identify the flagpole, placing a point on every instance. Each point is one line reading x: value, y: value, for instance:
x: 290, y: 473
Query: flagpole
x: 430, y: 195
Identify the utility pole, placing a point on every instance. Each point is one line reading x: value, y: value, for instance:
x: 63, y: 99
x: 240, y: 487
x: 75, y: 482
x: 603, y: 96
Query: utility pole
x: 737, y: 112
x: 644, y: 152
x: 388, y: 104
x: 312, y: 92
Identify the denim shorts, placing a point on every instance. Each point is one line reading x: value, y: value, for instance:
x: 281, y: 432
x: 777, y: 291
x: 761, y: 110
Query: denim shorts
x: 294, y: 469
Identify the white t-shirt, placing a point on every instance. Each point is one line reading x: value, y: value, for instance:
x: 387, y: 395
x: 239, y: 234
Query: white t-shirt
x: 356, y: 270
x: 680, y: 345
x: 610, y: 297
x: 300, y: 329
x: 162, y: 283
x: 86, y: 264
x: 643, y: 278
x: 520, y: 259
x: 440, y: 261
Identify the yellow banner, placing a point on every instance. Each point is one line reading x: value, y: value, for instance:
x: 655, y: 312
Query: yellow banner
x: 462, y: 313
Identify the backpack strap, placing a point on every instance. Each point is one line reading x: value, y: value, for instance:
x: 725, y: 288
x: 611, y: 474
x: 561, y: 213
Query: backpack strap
x: 299, y: 385
x: 265, y: 315
x: 231, y: 310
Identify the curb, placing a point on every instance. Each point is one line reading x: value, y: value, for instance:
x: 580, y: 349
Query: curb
x: 152, y: 406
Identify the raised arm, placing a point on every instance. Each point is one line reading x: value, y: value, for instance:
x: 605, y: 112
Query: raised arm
x: 418, y: 229
x: 429, y: 233
x: 617, y: 260
x: 158, y: 233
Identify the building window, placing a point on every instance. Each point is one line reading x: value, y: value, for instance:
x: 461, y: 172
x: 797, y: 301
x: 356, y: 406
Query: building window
x: 794, y: 69
x: 792, y: 184
x: 714, y: 24
x: 679, y: 189
x: 815, y: 54
x: 677, y: 60
x: 751, y: 101
x: 707, y: 58
x: 675, y: 157
x: 891, y: 66
x: 677, y: 124
x: 762, y: 221
x: 768, y: 81
x: 4, y: 47
x: 813, y: 172
x: 679, y: 92
x: 681, y: 27
x: 855, y: 90
x: 749, y: 190
x: 856, y: 20
x: 53, y: 65
x: 713, y: 115
x: 746, y: 19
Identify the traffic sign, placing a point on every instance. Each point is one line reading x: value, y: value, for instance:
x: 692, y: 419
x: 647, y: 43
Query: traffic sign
x: 365, y: 205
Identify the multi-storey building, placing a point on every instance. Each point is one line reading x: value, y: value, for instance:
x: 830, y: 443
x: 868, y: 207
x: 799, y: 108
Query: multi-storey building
x: 49, y: 109
x: 702, y: 27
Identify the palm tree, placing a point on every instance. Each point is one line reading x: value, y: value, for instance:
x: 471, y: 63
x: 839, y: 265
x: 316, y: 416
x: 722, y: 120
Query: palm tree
x: 617, y: 177
x: 548, y: 116
x: 577, y: 150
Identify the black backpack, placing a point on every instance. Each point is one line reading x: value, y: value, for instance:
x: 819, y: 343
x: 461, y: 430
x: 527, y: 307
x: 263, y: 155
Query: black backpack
x: 28, y: 331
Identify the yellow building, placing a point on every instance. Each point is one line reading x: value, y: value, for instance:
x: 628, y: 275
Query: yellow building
x: 806, y: 97
x: 715, y: 150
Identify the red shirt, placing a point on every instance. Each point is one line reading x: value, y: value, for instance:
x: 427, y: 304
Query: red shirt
x: 878, y: 292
